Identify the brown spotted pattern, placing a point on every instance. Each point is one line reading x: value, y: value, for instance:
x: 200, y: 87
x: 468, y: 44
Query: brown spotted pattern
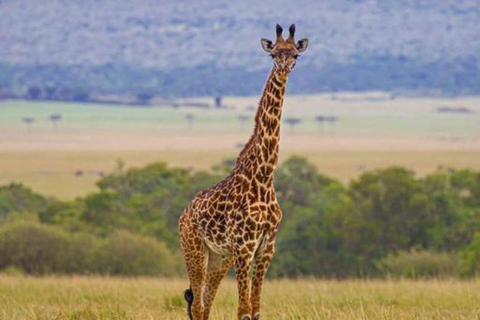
x: 235, y: 222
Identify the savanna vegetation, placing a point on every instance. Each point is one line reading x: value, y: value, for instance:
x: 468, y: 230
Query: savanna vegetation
x: 106, y: 298
x: 388, y: 222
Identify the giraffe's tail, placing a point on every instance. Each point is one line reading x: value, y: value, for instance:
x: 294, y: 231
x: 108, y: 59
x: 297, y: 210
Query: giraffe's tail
x: 188, y: 295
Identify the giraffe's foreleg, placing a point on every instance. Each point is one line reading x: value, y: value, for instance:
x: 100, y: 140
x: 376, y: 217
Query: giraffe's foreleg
x: 195, y: 255
x: 262, y: 260
x: 243, y: 261
x: 218, y: 267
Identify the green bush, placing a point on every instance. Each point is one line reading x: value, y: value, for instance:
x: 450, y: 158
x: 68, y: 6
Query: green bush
x: 471, y: 257
x: 420, y: 264
x: 13, y: 271
x: 81, y: 254
x: 39, y: 249
x: 34, y: 248
x: 16, y: 198
x: 124, y: 253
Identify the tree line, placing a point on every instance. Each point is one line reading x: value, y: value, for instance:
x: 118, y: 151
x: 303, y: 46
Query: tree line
x: 387, y: 222
x: 50, y: 92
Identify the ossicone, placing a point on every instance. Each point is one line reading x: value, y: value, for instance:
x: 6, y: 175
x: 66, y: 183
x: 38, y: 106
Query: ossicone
x: 291, y: 35
x: 279, y: 32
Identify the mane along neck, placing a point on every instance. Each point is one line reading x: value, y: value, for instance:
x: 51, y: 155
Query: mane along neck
x: 259, y: 157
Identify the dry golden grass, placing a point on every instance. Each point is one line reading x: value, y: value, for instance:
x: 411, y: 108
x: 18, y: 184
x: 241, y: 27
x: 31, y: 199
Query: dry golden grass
x: 53, y: 172
x: 69, y: 298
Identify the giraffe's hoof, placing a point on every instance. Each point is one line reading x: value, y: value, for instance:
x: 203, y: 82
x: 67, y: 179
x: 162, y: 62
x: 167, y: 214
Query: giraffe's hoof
x: 246, y: 317
x: 257, y: 317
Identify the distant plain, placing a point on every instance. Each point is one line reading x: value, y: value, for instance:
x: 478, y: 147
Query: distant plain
x: 370, y: 130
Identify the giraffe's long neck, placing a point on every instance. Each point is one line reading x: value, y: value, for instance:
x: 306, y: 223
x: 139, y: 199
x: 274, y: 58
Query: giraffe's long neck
x: 259, y: 157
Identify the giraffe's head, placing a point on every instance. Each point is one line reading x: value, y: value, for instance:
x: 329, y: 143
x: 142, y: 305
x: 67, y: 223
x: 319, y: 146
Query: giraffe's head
x: 284, y: 52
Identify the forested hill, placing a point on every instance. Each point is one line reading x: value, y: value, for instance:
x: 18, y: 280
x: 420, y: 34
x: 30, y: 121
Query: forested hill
x: 204, y: 47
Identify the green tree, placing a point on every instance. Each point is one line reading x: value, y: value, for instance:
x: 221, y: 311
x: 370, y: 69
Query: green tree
x: 309, y: 242
x: 103, y: 211
x: 390, y: 213
x: 298, y: 183
x: 18, y: 198
x: 454, y: 210
x: 67, y: 214
x: 308, y: 245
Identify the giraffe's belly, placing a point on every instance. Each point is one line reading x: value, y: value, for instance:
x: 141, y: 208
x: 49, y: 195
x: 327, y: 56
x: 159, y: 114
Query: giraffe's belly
x: 219, y: 247
x: 220, y: 243
x: 223, y: 247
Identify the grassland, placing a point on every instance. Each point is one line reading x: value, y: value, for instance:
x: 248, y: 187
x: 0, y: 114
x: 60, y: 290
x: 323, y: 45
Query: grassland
x: 69, y: 298
x: 53, y: 172
x: 372, y: 131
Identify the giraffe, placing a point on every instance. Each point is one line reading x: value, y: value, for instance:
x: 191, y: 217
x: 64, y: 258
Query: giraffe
x: 235, y: 222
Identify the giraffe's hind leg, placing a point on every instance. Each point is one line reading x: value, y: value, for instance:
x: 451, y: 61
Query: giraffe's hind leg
x: 218, y: 266
x: 195, y: 255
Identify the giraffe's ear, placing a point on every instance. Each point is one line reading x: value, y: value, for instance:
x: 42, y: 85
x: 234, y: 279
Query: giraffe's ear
x: 302, y: 45
x: 267, y: 45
